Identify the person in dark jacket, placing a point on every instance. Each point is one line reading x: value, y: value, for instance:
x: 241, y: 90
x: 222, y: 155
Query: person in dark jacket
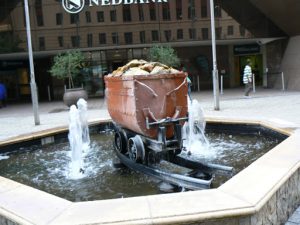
x: 3, y: 95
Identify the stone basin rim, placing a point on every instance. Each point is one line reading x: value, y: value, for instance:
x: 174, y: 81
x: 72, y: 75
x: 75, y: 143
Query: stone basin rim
x: 213, y: 204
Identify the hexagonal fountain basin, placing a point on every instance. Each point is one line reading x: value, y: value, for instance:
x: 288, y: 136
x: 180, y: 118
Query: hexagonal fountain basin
x: 46, y: 167
x: 265, y: 192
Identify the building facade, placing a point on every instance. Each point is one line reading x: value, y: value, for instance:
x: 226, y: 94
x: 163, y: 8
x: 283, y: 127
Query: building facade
x: 111, y: 35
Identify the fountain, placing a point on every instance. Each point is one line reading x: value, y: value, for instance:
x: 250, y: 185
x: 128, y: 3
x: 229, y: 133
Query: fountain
x: 224, y: 204
x: 75, y: 139
x: 82, y: 109
x: 47, y: 169
x: 231, y: 203
x: 193, y: 130
x: 79, y: 138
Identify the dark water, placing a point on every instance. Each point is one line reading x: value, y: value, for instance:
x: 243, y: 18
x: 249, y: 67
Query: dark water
x: 47, y: 168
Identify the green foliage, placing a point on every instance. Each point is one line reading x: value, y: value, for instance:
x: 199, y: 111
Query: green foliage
x: 68, y: 66
x: 165, y: 55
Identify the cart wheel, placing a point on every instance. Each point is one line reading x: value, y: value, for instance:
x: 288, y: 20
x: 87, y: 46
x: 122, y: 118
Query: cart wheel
x: 177, y: 151
x: 120, y: 142
x: 136, y: 149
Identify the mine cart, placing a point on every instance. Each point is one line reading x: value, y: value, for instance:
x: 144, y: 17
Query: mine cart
x: 148, y: 112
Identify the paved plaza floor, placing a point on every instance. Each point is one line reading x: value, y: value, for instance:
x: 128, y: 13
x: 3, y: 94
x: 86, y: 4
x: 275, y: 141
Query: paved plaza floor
x: 267, y: 104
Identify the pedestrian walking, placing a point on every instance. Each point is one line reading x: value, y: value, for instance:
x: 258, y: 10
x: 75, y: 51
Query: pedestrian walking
x: 183, y: 69
x: 3, y: 95
x: 247, y: 78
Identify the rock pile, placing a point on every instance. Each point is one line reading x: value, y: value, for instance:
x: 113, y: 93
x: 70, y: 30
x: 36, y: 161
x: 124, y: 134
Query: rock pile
x: 142, y: 67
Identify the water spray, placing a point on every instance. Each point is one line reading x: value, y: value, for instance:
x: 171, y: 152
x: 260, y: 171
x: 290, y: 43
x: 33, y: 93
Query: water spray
x: 79, y: 138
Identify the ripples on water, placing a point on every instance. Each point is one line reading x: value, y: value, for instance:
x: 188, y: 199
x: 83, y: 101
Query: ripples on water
x: 47, y: 168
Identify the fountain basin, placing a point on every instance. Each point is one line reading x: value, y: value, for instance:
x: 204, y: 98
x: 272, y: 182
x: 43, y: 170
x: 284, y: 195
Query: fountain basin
x: 264, y: 192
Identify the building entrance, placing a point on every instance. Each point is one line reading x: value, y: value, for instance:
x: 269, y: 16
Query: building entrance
x: 16, y: 83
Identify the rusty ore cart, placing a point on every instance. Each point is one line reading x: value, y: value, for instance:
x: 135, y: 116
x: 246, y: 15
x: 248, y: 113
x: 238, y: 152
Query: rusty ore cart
x: 148, y: 112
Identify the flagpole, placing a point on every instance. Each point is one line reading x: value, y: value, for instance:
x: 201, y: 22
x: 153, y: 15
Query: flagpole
x: 33, y: 87
x: 215, y: 75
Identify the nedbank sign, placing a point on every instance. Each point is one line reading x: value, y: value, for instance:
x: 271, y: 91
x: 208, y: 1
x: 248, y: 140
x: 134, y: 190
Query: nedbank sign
x: 75, y: 6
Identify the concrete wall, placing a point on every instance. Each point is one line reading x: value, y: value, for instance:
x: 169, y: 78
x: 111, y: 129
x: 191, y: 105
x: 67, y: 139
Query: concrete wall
x: 276, y: 210
x: 274, y: 55
x: 291, y: 65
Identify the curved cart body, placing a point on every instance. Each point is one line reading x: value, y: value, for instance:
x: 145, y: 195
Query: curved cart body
x: 148, y: 113
x: 139, y: 102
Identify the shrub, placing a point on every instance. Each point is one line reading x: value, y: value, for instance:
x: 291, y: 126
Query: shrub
x: 165, y: 55
x: 68, y: 66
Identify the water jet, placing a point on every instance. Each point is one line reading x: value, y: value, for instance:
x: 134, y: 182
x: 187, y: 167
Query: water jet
x: 221, y: 203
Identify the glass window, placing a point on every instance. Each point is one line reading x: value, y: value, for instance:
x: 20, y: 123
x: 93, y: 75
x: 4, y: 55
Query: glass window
x: 59, y: 18
x: 39, y: 13
x: 113, y: 15
x: 155, y: 35
x: 41, y: 43
x: 168, y: 35
x: 128, y: 38
x: 129, y: 54
x: 218, y: 11
x: 90, y: 40
x: 242, y: 31
x: 230, y: 30
x: 152, y: 11
x: 166, y: 11
x: 60, y: 40
x: 142, y: 37
x: 95, y: 56
x: 141, y: 13
x: 100, y: 16
x: 74, y: 18
x: 204, y: 33
x: 23, y: 11
x: 218, y: 32
x: 192, y: 33
x: 179, y: 34
x: 115, y: 38
x: 191, y: 10
x: 88, y: 16
x: 102, y: 56
x: 179, y: 9
x: 203, y: 8
x: 102, y: 38
x: 137, y: 53
x: 126, y: 13
x: 75, y: 40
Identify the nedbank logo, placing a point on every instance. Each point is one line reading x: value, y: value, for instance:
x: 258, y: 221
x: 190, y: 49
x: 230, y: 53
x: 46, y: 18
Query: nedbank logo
x: 75, y: 6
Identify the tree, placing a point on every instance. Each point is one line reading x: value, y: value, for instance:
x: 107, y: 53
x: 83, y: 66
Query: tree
x: 68, y: 66
x: 165, y: 55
